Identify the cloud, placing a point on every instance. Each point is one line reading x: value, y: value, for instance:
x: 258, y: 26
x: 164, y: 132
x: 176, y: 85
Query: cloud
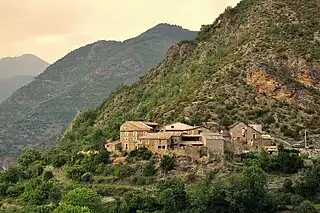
x: 50, y: 29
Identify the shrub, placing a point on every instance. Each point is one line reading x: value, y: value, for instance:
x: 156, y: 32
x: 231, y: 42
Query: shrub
x: 167, y: 163
x: 3, y: 189
x: 140, y: 154
x: 47, y: 175
x: 29, y: 156
x: 172, y: 195
x: 15, y: 191
x: 83, y: 197
x: 149, y: 169
x: 59, y: 160
x: 123, y: 171
x: 75, y: 172
x: 66, y: 208
x: 306, y: 207
x: 87, y: 177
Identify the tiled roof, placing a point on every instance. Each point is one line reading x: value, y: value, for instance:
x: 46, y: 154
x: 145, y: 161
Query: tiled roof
x: 151, y: 123
x: 158, y: 135
x: 178, y: 127
x: 140, y: 125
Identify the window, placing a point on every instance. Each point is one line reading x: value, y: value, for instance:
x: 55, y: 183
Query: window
x: 163, y: 147
x: 126, y: 146
x: 172, y: 127
x: 254, y: 136
x: 159, y: 147
x: 199, y: 132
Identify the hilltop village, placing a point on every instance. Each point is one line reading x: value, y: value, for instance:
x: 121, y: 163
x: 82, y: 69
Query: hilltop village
x: 194, y: 141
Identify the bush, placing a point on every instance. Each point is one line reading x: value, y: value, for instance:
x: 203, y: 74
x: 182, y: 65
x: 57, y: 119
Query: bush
x: 287, y: 185
x: 167, y: 163
x: 66, y: 208
x: 85, y: 198
x: 123, y: 171
x: 87, y: 177
x: 172, y: 196
x: 37, y: 170
x: 15, y: 191
x: 306, y: 207
x: 47, y: 175
x: 3, y: 189
x: 140, y: 154
x: 59, y: 160
x: 29, y: 156
x: 13, y: 175
x: 149, y: 169
x: 75, y: 172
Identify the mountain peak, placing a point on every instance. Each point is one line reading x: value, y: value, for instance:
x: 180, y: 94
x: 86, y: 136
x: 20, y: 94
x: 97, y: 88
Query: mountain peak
x: 166, y: 29
x: 26, y: 64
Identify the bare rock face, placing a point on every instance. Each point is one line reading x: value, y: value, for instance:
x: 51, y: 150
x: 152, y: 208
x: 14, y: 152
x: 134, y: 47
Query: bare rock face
x: 5, y: 162
x: 269, y: 87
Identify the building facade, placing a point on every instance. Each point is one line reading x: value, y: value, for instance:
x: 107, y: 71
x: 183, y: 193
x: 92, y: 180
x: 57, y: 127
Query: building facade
x: 132, y: 131
x: 248, y: 137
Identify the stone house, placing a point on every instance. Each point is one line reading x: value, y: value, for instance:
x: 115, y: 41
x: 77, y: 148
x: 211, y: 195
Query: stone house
x: 132, y: 131
x: 160, y: 141
x: 246, y: 137
x: 113, y: 146
x: 178, y: 138
x: 184, y: 128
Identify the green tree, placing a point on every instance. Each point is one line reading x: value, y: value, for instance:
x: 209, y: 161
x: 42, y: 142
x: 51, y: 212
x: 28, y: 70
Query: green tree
x: 207, y: 197
x: 58, y: 160
x: 246, y: 192
x: 172, y: 196
x: 13, y: 175
x: 29, y: 156
x: 149, y: 169
x: 134, y: 202
x: 66, y: 208
x: 83, y: 197
x: 167, y: 163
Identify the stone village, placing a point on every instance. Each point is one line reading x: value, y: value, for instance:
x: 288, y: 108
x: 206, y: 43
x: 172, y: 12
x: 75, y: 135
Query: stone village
x: 194, y: 141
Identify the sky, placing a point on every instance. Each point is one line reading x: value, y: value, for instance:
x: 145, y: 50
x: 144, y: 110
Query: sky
x: 51, y: 29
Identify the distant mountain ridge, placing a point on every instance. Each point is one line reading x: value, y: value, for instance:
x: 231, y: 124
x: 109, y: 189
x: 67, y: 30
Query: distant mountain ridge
x: 38, y: 111
x: 26, y: 64
x: 8, y: 86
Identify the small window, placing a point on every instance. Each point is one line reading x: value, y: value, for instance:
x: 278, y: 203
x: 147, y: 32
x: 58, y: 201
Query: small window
x: 126, y: 146
x: 159, y: 147
x: 199, y: 132
x: 254, y: 136
x: 163, y: 147
x: 172, y: 127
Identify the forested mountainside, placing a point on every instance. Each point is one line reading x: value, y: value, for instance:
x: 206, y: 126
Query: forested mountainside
x: 258, y: 62
x: 38, y: 111
x: 9, y: 85
x: 26, y: 64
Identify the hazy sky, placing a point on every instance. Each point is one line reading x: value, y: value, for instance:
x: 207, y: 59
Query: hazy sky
x: 50, y: 29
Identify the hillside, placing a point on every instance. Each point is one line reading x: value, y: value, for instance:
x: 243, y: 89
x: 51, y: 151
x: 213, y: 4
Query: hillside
x: 8, y: 86
x: 258, y: 62
x: 38, y: 111
x: 26, y: 64
x: 233, y: 71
